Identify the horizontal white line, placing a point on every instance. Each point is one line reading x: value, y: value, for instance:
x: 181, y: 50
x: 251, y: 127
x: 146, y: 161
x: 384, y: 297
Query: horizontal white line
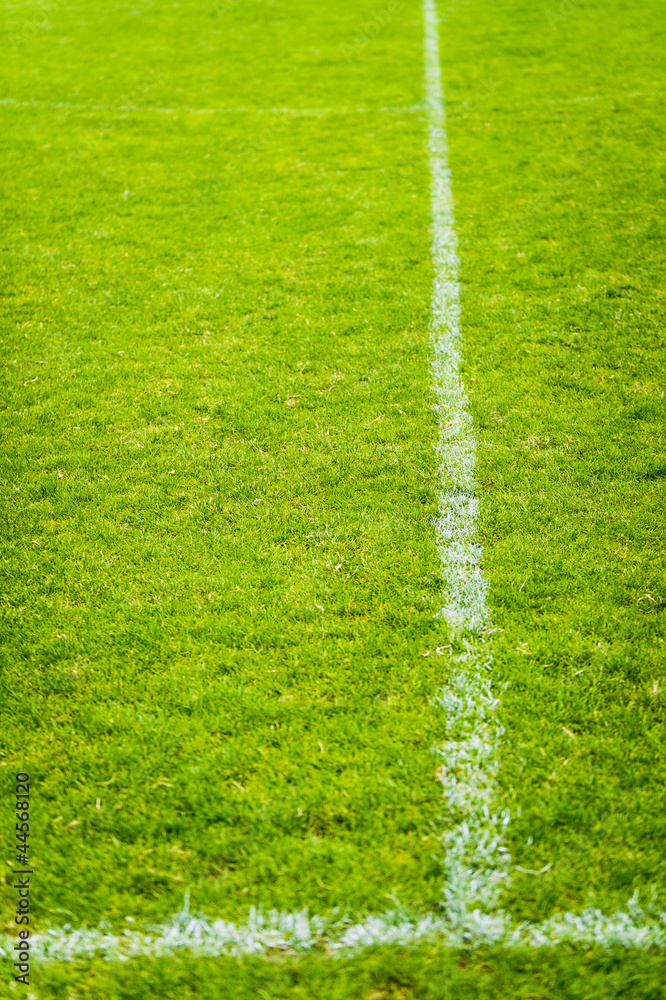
x: 299, y: 933
x: 591, y: 97
x: 407, y: 109
x: 509, y: 107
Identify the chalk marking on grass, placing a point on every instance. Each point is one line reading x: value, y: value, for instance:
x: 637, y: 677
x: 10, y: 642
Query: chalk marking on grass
x: 124, y: 108
x: 457, y: 526
x: 475, y: 862
x: 299, y: 933
x: 591, y: 97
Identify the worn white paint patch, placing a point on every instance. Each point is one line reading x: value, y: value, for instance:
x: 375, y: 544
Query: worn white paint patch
x: 299, y: 933
x: 476, y: 863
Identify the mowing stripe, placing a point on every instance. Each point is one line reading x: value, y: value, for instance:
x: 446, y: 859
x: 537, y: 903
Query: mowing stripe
x: 475, y: 864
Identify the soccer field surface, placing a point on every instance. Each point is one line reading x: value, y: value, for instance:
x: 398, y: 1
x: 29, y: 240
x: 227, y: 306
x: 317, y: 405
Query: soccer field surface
x: 334, y: 596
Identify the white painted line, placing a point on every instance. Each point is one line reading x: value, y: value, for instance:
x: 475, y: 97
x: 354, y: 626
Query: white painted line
x: 476, y: 862
x: 299, y: 933
x: 465, y: 609
x: 591, y: 97
x: 408, y: 109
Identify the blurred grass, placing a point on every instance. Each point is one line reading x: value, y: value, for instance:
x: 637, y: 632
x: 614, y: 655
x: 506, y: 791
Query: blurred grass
x: 380, y: 974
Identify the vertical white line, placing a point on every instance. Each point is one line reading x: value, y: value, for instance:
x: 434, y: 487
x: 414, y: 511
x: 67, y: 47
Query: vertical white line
x: 465, y: 608
x: 476, y: 863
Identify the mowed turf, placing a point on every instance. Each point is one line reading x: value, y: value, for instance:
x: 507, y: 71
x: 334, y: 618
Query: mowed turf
x: 220, y: 476
x: 556, y: 124
x: 221, y: 571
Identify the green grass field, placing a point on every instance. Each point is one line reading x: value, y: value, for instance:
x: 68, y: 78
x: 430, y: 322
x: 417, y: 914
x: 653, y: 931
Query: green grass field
x: 220, y: 574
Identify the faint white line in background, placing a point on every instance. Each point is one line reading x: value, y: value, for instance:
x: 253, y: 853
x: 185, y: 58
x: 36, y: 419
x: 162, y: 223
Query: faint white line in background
x: 408, y: 109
